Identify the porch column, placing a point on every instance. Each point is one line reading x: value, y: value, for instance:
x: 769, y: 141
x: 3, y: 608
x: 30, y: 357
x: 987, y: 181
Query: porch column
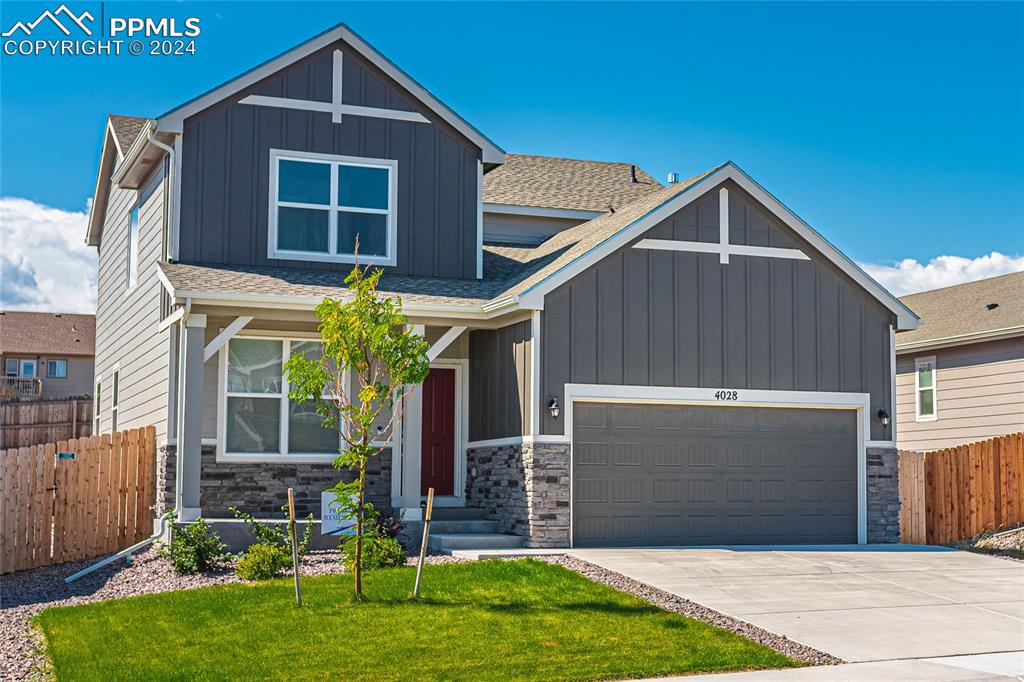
x: 190, y: 440
x: 411, y: 455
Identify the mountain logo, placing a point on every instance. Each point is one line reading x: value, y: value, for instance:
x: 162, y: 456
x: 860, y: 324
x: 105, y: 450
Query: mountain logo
x: 69, y: 16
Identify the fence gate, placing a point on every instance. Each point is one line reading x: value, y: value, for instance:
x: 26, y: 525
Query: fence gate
x: 76, y: 499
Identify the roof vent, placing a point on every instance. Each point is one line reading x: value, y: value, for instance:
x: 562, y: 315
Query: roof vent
x: 673, y: 177
x: 632, y: 174
x: 991, y: 306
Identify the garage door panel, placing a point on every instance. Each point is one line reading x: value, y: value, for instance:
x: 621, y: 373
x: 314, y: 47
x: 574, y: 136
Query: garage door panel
x: 720, y: 485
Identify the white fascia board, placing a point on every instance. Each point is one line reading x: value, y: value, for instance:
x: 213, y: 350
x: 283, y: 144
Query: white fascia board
x: 727, y: 171
x: 541, y: 212
x: 92, y: 230
x: 113, y: 135
x: 960, y: 339
x: 242, y: 300
x: 173, y: 120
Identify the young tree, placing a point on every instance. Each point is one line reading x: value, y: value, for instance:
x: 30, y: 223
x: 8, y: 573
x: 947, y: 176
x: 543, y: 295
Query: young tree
x: 365, y: 337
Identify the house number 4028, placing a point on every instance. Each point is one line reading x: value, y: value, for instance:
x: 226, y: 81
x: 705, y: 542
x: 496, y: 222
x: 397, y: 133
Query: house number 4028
x: 727, y: 395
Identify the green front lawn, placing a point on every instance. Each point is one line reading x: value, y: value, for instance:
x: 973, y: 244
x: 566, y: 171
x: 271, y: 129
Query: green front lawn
x: 523, y: 620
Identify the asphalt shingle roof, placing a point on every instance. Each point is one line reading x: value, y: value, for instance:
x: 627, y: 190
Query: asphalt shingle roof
x: 962, y: 309
x: 23, y: 333
x: 127, y: 129
x: 575, y: 184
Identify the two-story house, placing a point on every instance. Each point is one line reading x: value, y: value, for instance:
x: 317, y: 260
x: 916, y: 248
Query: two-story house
x: 46, y: 355
x: 614, y: 362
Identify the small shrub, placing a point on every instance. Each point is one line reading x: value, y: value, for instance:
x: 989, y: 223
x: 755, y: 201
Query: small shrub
x: 276, y: 534
x: 389, y: 527
x: 194, y: 548
x: 378, y: 552
x: 263, y: 562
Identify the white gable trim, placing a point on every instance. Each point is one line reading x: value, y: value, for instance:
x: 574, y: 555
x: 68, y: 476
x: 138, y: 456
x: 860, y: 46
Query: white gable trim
x: 174, y: 119
x: 534, y: 296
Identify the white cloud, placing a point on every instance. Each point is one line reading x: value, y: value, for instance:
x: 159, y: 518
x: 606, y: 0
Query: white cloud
x: 910, y: 276
x: 44, y: 262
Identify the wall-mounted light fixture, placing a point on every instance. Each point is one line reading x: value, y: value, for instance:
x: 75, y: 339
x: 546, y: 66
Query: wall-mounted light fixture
x: 883, y: 417
x: 554, y: 409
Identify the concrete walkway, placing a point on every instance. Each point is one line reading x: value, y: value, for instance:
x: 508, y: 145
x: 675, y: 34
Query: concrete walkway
x: 863, y: 604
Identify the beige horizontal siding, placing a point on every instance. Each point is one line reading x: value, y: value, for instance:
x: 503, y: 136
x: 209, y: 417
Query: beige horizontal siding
x: 126, y: 321
x: 979, y: 395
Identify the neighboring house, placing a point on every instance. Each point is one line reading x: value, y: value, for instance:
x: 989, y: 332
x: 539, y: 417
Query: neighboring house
x: 960, y: 375
x: 614, y: 361
x: 46, y: 355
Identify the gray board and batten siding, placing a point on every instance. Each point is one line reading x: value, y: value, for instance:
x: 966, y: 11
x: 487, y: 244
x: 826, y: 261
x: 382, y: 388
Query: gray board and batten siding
x: 499, y: 381
x: 226, y: 168
x: 664, y: 318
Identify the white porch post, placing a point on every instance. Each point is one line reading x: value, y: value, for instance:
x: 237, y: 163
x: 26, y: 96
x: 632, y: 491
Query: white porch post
x: 411, y: 455
x: 190, y: 441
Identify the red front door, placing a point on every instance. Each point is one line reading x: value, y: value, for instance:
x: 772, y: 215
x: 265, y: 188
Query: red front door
x: 437, y: 470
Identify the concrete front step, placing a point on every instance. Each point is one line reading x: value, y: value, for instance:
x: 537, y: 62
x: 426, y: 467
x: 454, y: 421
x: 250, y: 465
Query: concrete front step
x: 453, y: 541
x: 457, y: 514
x: 473, y: 526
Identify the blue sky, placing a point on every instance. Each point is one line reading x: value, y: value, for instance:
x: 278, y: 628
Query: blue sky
x: 897, y: 130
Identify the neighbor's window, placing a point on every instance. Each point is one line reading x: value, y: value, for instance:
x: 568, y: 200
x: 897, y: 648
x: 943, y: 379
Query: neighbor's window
x: 259, y: 418
x: 27, y: 368
x: 925, y: 388
x: 11, y: 367
x: 320, y: 204
x: 133, y: 247
x: 57, y: 369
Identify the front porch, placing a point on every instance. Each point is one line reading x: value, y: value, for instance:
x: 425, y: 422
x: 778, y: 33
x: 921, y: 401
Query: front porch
x: 245, y: 443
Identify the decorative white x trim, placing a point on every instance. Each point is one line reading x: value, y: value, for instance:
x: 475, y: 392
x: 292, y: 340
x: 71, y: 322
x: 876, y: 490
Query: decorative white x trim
x: 722, y: 247
x: 335, y: 107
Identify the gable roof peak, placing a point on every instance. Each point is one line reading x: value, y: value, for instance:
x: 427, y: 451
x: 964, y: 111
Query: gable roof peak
x: 172, y: 121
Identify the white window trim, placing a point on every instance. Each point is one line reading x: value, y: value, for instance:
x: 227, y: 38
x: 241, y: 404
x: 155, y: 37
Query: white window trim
x: 56, y: 376
x: 933, y: 388
x: 132, y: 274
x: 96, y: 406
x: 860, y: 402
x: 282, y: 397
x: 115, y: 387
x: 278, y: 155
x: 7, y: 363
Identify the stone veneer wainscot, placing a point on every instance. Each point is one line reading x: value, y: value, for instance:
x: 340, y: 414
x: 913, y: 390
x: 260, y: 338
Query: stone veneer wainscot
x: 262, y: 488
x: 525, y: 487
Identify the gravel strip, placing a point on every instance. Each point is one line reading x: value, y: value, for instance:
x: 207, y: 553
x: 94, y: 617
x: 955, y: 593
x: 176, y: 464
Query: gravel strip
x: 1005, y: 544
x: 26, y: 593
x: 676, y: 604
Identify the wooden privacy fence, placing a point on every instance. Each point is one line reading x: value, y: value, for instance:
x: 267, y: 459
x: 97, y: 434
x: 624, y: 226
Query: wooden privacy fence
x: 76, y: 499
x: 957, y: 493
x: 44, y: 421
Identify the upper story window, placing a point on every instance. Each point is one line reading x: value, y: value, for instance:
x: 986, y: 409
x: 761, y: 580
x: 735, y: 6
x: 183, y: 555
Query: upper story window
x: 11, y: 367
x: 57, y: 369
x: 133, y: 248
x: 924, y: 389
x: 320, y: 204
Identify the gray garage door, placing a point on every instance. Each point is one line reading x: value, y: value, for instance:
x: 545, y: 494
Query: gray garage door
x: 695, y: 475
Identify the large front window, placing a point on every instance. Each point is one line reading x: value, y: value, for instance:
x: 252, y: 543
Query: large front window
x: 259, y: 420
x: 320, y: 205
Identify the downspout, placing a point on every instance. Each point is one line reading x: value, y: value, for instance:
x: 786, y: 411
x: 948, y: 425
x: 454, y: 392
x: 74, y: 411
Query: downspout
x: 169, y: 194
x: 180, y: 409
x: 126, y: 553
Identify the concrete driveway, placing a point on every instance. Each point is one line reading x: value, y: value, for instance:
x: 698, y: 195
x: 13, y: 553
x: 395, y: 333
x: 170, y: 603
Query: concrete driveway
x: 875, y: 603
